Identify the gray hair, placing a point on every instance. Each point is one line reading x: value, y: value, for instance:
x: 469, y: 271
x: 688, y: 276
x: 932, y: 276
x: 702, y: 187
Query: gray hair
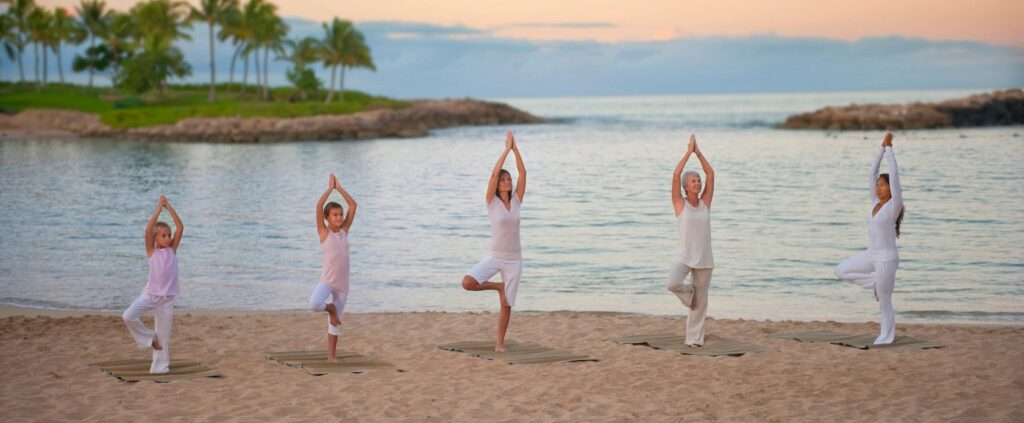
x: 686, y: 177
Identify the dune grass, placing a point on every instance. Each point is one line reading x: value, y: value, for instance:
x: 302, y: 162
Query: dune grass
x: 181, y: 102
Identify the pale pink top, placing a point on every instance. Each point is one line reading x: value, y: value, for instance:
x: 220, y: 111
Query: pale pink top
x: 505, y: 228
x: 335, y: 265
x: 163, y: 273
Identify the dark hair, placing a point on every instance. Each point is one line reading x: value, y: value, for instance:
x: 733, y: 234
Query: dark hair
x: 497, y: 189
x: 331, y: 206
x: 899, y: 220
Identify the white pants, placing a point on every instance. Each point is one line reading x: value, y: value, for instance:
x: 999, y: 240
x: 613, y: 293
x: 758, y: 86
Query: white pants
x: 864, y: 271
x: 163, y: 313
x: 510, y: 270
x: 687, y: 293
x: 318, y: 302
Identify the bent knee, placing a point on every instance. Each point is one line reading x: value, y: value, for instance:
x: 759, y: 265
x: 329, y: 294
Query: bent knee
x: 315, y: 306
x: 468, y: 283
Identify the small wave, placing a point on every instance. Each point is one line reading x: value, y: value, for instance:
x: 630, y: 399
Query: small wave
x: 971, y: 315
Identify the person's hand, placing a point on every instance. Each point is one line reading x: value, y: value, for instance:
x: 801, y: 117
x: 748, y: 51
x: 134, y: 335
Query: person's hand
x: 692, y: 145
x: 510, y: 141
x: 332, y: 181
x: 159, y: 203
x: 887, y: 141
x: 337, y: 183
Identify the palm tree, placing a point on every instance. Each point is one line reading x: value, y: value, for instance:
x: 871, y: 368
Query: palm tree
x: 213, y: 12
x: 268, y: 33
x: 302, y: 52
x: 92, y: 17
x: 229, y: 31
x: 346, y: 47
x: 272, y: 38
x: 244, y: 31
x: 117, y: 38
x: 158, y: 23
x: 39, y: 21
x: 7, y: 36
x: 18, y: 12
x: 64, y: 30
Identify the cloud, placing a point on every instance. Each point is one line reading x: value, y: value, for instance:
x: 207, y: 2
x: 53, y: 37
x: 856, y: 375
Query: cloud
x: 456, y: 61
x: 561, y: 25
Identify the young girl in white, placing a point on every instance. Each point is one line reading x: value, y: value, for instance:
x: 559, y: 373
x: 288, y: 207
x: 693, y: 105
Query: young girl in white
x: 335, y: 269
x: 693, y: 255
x: 505, y: 255
x: 875, y: 268
x: 160, y: 291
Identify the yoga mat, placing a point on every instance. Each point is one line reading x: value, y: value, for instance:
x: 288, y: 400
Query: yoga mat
x: 315, y: 362
x: 516, y: 352
x: 812, y: 336
x: 866, y: 342
x: 138, y: 370
x: 713, y: 345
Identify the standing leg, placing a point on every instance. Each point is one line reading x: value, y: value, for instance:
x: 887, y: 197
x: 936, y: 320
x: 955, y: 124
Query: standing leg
x: 858, y: 270
x: 886, y: 271
x: 695, y: 318
x: 334, y: 330
x: 143, y: 336
x: 676, y: 283
x: 510, y: 273
x: 163, y: 314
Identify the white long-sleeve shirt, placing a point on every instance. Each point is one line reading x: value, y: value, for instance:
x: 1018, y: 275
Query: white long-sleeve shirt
x: 882, y: 226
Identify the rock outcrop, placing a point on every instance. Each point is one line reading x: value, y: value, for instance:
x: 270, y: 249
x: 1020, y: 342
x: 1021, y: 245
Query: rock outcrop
x: 999, y: 108
x: 409, y: 122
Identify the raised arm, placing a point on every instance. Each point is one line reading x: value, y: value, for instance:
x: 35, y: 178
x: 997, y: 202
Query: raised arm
x: 677, y: 195
x: 709, y: 175
x: 521, y: 182
x: 321, y: 228
x: 150, y: 224
x: 873, y: 173
x: 894, y: 177
x: 179, y: 228
x: 493, y: 182
x: 351, y: 206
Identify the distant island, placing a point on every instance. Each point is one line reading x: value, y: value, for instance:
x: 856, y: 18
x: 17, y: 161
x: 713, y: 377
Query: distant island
x: 999, y: 108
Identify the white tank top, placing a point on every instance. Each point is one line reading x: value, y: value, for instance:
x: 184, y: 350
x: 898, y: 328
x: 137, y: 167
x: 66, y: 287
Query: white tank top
x: 335, y: 264
x: 695, y: 236
x: 163, y: 273
x: 505, y: 229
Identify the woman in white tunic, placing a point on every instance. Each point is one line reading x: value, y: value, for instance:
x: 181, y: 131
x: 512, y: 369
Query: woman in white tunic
x: 693, y: 255
x: 875, y: 268
x: 505, y: 255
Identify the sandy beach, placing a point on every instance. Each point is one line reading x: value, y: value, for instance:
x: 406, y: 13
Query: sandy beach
x: 45, y: 375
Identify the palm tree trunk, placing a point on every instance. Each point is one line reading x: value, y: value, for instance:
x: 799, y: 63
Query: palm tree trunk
x: 213, y: 68
x: 60, y: 63
x: 35, y: 49
x: 245, y: 73
x: 21, y: 68
x: 256, y: 72
x: 266, y: 73
x: 330, y: 92
x: 46, y: 70
x: 92, y: 60
x: 341, y: 85
x: 231, y: 73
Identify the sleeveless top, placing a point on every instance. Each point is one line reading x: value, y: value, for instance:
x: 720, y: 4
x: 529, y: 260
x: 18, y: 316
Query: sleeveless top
x: 694, y: 249
x: 163, y: 273
x: 505, y: 229
x: 335, y: 264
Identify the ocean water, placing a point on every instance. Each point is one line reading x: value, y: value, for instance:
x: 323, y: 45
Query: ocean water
x: 598, y: 229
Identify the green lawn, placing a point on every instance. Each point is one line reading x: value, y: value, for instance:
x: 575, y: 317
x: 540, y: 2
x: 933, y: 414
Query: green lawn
x: 180, y: 102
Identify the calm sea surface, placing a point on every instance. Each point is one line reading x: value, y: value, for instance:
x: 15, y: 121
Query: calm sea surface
x: 598, y: 229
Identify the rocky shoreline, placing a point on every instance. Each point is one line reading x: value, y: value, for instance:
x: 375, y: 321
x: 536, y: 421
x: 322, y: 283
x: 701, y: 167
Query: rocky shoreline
x: 410, y: 122
x: 999, y: 108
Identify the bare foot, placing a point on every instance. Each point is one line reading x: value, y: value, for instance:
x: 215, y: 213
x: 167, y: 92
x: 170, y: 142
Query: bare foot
x: 333, y: 313
x: 332, y: 359
x: 499, y: 348
x: 156, y: 344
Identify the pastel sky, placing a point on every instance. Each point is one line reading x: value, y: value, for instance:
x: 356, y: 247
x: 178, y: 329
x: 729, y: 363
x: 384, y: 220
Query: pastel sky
x: 530, y: 48
x: 989, y: 21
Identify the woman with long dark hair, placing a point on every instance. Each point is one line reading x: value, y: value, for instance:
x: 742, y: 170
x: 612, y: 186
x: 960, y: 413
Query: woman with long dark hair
x: 875, y: 268
x: 505, y: 256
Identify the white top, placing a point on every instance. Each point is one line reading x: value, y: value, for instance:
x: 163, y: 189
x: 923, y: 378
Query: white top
x: 695, y: 236
x: 163, y: 273
x: 505, y: 229
x: 882, y: 226
x: 335, y: 265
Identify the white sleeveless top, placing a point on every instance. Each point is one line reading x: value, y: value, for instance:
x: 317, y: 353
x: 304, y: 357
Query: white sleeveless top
x: 163, y: 273
x: 335, y: 265
x: 505, y: 229
x: 695, y: 236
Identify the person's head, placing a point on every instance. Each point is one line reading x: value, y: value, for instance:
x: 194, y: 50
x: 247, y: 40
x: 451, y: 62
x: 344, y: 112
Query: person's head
x: 691, y: 183
x: 504, y: 183
x: 334, y: 215
x: 162, y: 235
x: 883, y: 193
x: 882, y: 187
